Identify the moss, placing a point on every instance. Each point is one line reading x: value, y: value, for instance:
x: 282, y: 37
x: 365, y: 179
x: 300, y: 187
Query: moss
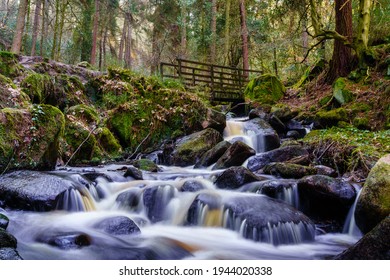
x: 30, y: 137
x: 108, y: 142
x: 146, y: 164
x: 332, y: 117
x: 361, y: 123
x: 325, y: 100
x: 10, y: 95
x: 37, y: 86
x: 85, y: 113
x: 289, y: 170
x: 359, y: 107
x: 340, y: 91
x: 9, y: 64
x: 265, y: 89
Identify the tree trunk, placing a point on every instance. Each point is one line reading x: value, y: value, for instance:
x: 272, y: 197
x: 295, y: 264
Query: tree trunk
x: 128, y: 41
x: 95, y: 33
x: 43, y: 26
x: 213, y: 30
x: 363, y: 30
x: 227, y: 31
x: 20, y: 22
x: 35, y: 26
x: 123, y: 39
x: 61, y: 28
x: 244, y: 37
x: 56, y: 27
x: 341, y: 62
x: 183, y: 39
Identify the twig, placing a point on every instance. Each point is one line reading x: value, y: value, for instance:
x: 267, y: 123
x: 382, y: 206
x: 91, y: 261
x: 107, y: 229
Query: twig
x: 136, y: 149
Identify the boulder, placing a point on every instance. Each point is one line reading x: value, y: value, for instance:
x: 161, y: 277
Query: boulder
x: 214, y: 119
x: 266, y: 89
x: 374, y: 201
x: 10, y: 95
x: 332, y: 117
x: 34, y: 190
x: 340, y: 92
x: 155, y: 199
x: 146, y: 164
x: 65, y: 240
x: 234, y: 177
x: 4, y: 221
x: 283, y: 112
x: 191, y: 148
x: 372, y: 246
x: 211, y: 156
x: 235, y: 155
x: 133, y: 172
x: 295, y: 153
x: 288, y: 170
x: 325, y: 170
x: 258, y: 112
x: 8, y: 253
x: 327, y: 197
x: 192, y: 186
x: 266, y: 137
x: 118, y: 226
x: 7, y: 240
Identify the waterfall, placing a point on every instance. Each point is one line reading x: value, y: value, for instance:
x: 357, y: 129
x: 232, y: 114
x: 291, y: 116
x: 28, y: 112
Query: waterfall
x: 350, y: 226
x: 235, y: 130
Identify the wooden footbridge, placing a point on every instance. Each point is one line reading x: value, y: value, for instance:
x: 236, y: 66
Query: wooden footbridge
x: 226, y: 84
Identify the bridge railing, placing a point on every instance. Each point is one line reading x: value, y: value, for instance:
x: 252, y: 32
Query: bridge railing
x: 226, y: 83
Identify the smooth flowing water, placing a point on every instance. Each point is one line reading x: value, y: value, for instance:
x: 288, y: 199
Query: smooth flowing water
x: 181, y: 215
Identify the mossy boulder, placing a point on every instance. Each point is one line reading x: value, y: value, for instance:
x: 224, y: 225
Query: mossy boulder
x: 332, y: 117
x: 146, y: 164
x: 361, y: 123
x: 340, y: 91
x: 374, y: 201
x: 10, y: 95
x: 310, y: 73
x: 190, y: 149
x: 9, y: 64
x: 283, y: 112
x: 29, y: 138
x: 235, y: 155
x: 266, y: 88
x: 108, y: 142
x: 59, y: 90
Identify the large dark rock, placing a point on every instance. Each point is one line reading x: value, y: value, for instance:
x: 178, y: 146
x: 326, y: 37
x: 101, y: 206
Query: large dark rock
x: 212, y: 155
x: 155, y: 200
x: 234, y: 177
x: 258, y: 112
x: 375, y: 245
x: 235, y: 155
x: 327, y: 197
x: 297, y: 127
x: 191, y: 148
x: 33, y: 190
x: 288, y: 170
x: 266, y: 137
x: 133, y: 172
x: 118, y: 226
x: 7, y: 240
x: 66, y: 240
x: 295, y: 153
x: 374, y: 201
x: 265, y: 219
x: 192, y: 186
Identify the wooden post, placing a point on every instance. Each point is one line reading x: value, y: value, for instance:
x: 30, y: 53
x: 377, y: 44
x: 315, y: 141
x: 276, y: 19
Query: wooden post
x: 179, y: 67
x: 193, y: 76
x: 212, y: 80
x: 161, y: 70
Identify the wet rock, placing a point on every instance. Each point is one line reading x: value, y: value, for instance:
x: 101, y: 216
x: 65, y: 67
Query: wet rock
x: 118, y: 226
x: 7, y: 239
x: 271, y: 188
x: 295, y: 153
x: 4, y: 221
x: 267, y: 137
x: 192, y: 186
x: 134, y: 173
x: 235, y: 155
x: 265, y: 219
x: 128, y: 199
x: 212, y: 155
x: 288, y: 170
x: 326, y: 197
x: 258, y: 113
x: 234, y: 177
x: 374, y: 201
x: 33, y: 190
x: 9, y: 254
x: 191, y: 148
x: 146, y: 164
x: 372, y: 246
x: 293, y: 125
x: 215, y: 120
x: 283, y: 112
x: 325, y: 170
x: 277, y: 124
x: 205, y: 210
x: 66, y: 240
x: 155, y: 200
x: 293, y: 134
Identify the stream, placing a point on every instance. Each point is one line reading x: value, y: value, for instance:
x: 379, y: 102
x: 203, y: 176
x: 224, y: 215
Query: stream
x: 176, y: 213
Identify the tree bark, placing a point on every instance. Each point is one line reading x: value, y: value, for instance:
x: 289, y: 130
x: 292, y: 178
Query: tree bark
x: 95, y: 33
x: 227, y: 31
x: 38, y: 5
x: 341, y: 63
x: 244, y: 37
x: 128, y: 42
x: 123, y: 39
x: 183, y: 39
x: 213, y: 30
x: 363, y: 30
x: 18, y: 36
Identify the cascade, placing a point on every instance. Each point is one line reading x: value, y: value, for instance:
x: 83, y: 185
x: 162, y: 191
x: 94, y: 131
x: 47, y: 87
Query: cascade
x: 350, y: 226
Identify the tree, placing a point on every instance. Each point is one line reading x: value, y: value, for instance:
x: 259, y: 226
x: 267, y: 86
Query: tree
x: 18, y: 36
x: 95, y: 32
x: 341, y: 63
x: 244, y: 36
x: 213, y: 30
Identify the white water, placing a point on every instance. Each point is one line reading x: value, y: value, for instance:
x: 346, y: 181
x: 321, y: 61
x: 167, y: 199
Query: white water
x: 171, y: 227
